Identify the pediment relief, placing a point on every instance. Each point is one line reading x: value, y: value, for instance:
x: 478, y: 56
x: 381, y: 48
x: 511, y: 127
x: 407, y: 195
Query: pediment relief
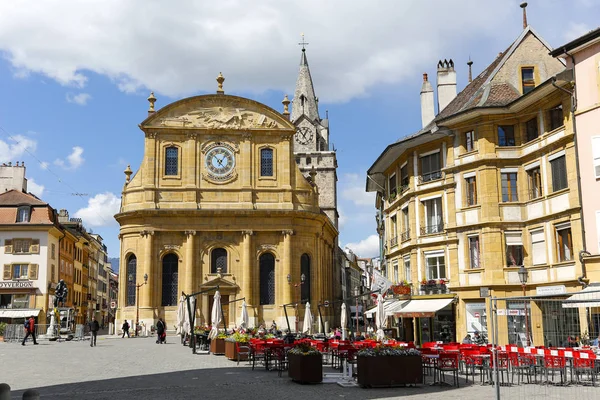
x: 217, y: 112
x: 221, y: 282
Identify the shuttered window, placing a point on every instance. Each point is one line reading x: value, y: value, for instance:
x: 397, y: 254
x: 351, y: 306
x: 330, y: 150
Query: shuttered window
x: 559, y: 174
x: 538, y: 247
x: 33, y: 271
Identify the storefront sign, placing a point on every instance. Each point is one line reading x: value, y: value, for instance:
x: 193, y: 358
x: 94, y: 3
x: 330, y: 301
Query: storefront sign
x: 514, y: 312
x: 16, y: 285
x: 550, y: 290
x: 501, y: 311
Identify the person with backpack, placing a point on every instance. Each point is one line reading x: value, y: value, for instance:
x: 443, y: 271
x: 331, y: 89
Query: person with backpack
x: 160, y: 332
x: 94, y: 327
x: 125, y: 328
x: 29, y: 325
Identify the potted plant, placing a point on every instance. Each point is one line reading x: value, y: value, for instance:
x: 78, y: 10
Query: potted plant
x: 305, y: 364
x: 231, y: 345
x: 384, y: 366
x: 217, y: 345
x: 2, y: 329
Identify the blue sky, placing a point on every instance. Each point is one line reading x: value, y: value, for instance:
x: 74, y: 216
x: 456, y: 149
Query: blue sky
x: 74, y: 77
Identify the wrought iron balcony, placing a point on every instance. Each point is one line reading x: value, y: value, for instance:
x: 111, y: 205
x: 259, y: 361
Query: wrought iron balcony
x: 432, y: 229
x: 404, y: 236
x: 431, y: 176
x: 394, y: 241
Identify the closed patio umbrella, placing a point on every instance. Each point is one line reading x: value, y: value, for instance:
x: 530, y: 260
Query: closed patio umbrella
x: 215, y: 316
x: 244, y: 319
x: 344, y: 321
x: 180, y: 314
x: 187, y: 324
x: 308, y: 320
x: 380, y: 317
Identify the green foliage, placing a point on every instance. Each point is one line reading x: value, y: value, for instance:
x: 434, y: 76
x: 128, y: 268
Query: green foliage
x: 2, y: 328
x: 238, y: 337
x: 387, y: 351
x: 304, y: 349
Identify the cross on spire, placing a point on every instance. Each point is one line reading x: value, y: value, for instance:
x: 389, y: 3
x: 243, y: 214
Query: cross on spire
x: 303, y: 43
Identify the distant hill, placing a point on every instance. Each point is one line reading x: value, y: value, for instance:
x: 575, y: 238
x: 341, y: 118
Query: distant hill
x: 114, y: 262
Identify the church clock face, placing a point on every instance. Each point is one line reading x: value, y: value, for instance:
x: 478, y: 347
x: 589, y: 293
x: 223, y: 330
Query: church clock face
x: 304, y: 135
x: 220, y: 161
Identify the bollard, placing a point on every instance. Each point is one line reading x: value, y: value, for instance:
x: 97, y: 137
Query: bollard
x: 31, y: 394
x: 4, y: 391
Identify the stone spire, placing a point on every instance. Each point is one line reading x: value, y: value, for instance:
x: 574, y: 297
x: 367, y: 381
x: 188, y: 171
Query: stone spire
x: 305, y: 101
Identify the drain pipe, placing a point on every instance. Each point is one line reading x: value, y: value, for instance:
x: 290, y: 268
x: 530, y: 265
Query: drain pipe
x: 583, y: 281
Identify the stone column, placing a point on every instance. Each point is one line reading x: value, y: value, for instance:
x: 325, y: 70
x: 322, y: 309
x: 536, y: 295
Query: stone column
x: 149, y: 173
x: 189, y: 281
x: 287, y: 265
x: 248, y: 267
x: 146, y: 291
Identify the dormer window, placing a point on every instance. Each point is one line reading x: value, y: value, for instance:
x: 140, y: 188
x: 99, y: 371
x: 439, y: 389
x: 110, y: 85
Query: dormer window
x: 527, y: 79
x: 23, y: 214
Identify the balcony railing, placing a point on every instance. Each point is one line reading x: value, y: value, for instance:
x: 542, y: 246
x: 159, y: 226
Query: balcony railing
x: 403, y: 188
x: 431, y: 176
x: 394, y: 241
x: 404, y: 236
x: 432, y: 229
x: 535, y: 193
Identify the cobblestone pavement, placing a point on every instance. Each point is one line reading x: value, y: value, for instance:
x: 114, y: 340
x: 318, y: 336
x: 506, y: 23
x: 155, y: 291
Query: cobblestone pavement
x: 140, y: 369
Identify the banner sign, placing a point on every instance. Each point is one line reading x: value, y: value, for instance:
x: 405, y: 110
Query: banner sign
x: 17, y: 285
x: 380, y: 282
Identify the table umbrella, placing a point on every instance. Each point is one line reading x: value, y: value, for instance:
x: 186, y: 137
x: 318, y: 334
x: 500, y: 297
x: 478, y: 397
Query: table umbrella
x: 215, y: 316
x: 180, y: 314
x: 380, y: 317
x: 186, y: 324
x: 244, y: 319
x: 344, y: 320
x: 308, y: 320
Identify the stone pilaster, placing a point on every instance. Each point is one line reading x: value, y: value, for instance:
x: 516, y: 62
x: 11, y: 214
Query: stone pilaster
x: 287, y: 265
x: 190, y: 273
x: 247, y: 266
x: 147, y: 291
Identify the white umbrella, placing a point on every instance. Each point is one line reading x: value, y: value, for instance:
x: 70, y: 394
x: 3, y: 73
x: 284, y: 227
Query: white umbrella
x: 186, y: 325
x: 380, y: 317
x: 308, y: 320
x: 244, y: 319
x: 215, y: 316
x: 344, y: 320
x: 180, y: 314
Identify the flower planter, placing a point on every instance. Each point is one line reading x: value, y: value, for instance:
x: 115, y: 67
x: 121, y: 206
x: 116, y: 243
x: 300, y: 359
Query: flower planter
x: 386, y: 371
x: 231, y: 351
x: 217, y: 346
x: 305, y: 368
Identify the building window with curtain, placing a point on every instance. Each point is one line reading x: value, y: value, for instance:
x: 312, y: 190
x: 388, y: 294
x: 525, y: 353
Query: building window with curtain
x: 564, y: 242
x: 434, y: 222
x: 170, y: 266
x: 474, y: 252
x: 431, y: 166
x: 470, y: 141
x: 218, y: 259
x: 396, y: 275
x: 509, y: 187
x: 436, y: 267
x: 23, y: 214
x: 131, y: 272
x: 407, y: 274
x: 559, y: 173
x: 471, y: 184
x: 514, y: 249
x: 538, y: 247
x: 305, y: 270
x: 171, y: 160
x: 267, y: 278
x: 534, y: 178
x: 266, y: 162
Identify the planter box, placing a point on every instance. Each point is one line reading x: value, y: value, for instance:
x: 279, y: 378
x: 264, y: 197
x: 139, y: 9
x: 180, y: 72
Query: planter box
x: 386, y: 371
x: 231, y: 351
x: 305, y: 369
x: 217, y: 346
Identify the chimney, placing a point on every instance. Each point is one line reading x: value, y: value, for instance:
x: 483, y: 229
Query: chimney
x: 470, y: 63
x: 12, y: 177
x: 524, y: 7
x: 63, y: 216
x: 446, y: 83
x: 427, y: 110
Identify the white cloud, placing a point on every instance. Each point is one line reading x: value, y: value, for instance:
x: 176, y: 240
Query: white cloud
x: 100, y: 210
x: 368, y: 247
x: 171, y: 48
x: 34, y: 188
x: 353, y: 189
x: 81, y: 98
x: 14, y: 148
x: 575, y: 29
x: 74, y: 160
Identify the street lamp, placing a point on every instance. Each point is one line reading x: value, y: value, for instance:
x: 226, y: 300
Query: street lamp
x: 137, y: 300
x: 357, y: 293
x: 523, y: 274
x: 296, y: 286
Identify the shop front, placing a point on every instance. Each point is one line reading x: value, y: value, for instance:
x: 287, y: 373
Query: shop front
x: 432, y: 319
x: 17, y: 301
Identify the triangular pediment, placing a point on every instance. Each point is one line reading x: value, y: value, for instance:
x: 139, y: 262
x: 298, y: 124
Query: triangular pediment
x: 217, y: 111
x: 221, y: 282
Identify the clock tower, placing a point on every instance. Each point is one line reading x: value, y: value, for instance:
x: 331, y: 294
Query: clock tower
x: 311, y: 141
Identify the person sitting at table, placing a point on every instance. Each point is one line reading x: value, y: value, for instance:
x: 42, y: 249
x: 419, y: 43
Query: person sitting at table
x: 467, y: 339
x: 570, y: 342
x: 596, y: 342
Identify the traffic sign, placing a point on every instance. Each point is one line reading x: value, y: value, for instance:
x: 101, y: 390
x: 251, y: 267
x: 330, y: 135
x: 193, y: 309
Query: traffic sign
x: 326, y: 303
x: 113, y: 304
x: 477, y: 315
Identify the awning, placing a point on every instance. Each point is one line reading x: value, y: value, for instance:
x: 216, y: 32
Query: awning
x: 422, y: 308
x: 18, y: 313
x: 389, y: 307
x: 588, y: 297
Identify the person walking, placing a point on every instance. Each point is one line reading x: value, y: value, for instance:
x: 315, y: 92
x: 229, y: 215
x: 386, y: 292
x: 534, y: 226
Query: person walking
x: 29, y: 330
x: 94, y: 327
x: 125, y: 328
x: 160, y: 332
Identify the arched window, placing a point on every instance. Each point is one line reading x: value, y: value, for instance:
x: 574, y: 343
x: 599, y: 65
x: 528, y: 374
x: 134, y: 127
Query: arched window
x: 267, y: 278
x: 131, y: 279
x: 169, y: 279
x: 305, y: 270
x: 266, y: 162
x: 218, y: 259
x: 171, y: 160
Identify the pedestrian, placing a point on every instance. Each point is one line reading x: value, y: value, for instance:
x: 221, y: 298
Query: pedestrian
x: 94, y: 327
x: 29, y: 330
x: 125, y: 328
x: 160, y: 332
x: 467, y: 340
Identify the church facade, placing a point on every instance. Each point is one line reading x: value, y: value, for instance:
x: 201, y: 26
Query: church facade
x: 222, y: 198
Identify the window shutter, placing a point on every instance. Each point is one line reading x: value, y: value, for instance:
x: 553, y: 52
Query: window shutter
x: 33, y: 271
x: 8, y: 248
x: 538, y: 247
x: 35, y: 246
x: 7, y: 271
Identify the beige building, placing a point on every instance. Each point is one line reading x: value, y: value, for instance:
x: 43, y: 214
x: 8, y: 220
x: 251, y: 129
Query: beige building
x: 487, y: 186
x: 220, y: 201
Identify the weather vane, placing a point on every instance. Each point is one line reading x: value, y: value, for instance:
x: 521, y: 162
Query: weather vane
x: 303, y: 43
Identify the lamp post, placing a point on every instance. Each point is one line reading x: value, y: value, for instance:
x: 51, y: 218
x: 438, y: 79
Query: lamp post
x: 296, y: 286
x: 137, y: 300
x: 523, y: 274
x: 357, y: 293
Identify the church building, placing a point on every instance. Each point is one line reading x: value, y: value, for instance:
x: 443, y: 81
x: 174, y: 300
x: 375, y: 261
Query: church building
x: 234, y: 194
